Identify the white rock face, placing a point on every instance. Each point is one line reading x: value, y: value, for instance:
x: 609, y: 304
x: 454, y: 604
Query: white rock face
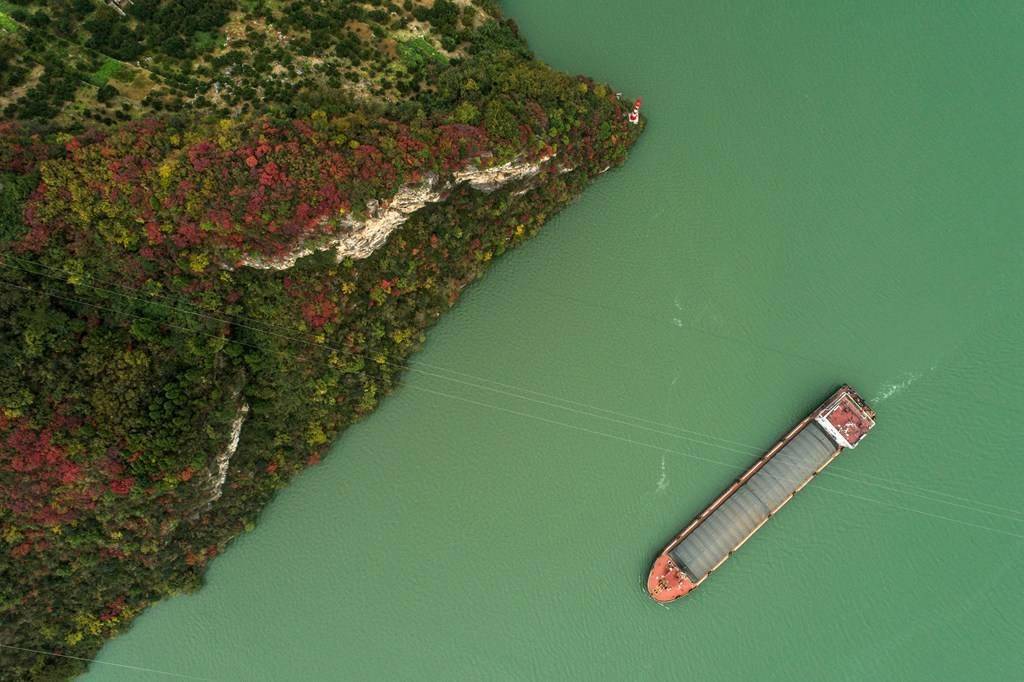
x: 363, y: 238
x: 360, y: 238
x: 490, y: 179
x: 219, y: 471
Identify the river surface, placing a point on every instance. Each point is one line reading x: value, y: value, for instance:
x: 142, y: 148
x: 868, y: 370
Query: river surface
x: 825, y: 193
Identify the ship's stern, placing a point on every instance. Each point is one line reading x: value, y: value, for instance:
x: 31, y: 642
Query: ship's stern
x: 666, y: 582
x: 845, y: 417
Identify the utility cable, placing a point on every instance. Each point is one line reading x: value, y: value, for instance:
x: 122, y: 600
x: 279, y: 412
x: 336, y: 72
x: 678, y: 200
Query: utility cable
x: 750, y: 449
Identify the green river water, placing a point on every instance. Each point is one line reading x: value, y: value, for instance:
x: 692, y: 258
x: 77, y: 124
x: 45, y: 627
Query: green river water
x: 826, y: 192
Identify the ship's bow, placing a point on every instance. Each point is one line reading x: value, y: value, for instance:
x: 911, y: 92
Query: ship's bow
x: 666, y: 582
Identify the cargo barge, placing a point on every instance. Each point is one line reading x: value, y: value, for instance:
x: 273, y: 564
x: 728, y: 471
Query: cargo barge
x: 705, y: 543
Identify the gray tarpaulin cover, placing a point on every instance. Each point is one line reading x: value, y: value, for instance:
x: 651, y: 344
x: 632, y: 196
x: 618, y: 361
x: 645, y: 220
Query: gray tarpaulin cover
x: 750, y: 505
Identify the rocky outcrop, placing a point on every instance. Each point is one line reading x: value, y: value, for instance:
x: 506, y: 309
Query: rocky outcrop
x: 364, y: 237
x: 360, y: 238
x: 490, y: 179
x: 219, y: 470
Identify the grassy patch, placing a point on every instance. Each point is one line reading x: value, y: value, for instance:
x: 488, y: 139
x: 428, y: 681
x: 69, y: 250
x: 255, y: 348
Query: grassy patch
x: 204, y: 41
x: 109, y: 69
x: 123, y: 75
x: 417, y: 52
x: 136, y: 85
x: 8, y: 24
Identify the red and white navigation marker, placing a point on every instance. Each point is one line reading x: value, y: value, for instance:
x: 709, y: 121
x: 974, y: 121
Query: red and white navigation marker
x: 634, y: 116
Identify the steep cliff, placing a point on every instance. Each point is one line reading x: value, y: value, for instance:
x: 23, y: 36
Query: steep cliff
x: 194, y: 304
x: 352, y: 238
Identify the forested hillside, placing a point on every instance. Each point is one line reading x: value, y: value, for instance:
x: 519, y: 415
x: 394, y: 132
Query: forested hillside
x: 224, y: 227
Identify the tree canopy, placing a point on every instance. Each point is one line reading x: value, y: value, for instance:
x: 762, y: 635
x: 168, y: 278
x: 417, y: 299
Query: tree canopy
x: 156, y: 386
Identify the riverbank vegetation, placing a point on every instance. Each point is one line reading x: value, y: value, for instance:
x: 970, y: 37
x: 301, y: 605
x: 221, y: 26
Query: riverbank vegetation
x: 156, y: 389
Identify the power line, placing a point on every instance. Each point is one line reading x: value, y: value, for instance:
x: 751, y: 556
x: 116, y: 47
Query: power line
x: 148, y: 301
x: 710, y: 461
x: 707, y: 460
x: 96, y: 660
x: 750, y: 449
x: 747, y: 448
x: 913, y: 494
x: 939, y: 492
x: 291, y: 335
x: 307, y: 339
x: 122, y: 312
x: 413, y: 368
x: 918, y: 511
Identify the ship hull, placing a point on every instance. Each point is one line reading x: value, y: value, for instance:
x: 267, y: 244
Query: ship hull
x: 715, y: 534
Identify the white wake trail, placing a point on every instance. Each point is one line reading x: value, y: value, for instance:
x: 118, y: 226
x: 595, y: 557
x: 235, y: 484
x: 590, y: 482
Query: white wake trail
x: 896, y: 387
